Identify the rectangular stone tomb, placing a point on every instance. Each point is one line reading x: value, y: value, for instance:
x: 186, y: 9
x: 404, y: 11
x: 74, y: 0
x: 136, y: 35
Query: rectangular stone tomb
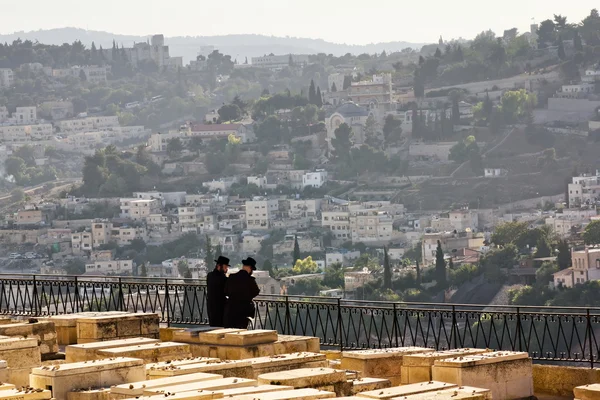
x: 406, y: 390
x: 195, y: 395
x: 89, y: 394
x: 417, y: 367
x: 249, y: 338
x: 380, y: 363
x: 587, y: 392
x: 283, y: 362
x: 304, y: 377
x: 89, y: 351
x: 66, y: 324
x: 254, y: 389
x: 294, y: 344
x: 25, y: 394
x: 6, y: 386
x: 211, y: 337
x: 152, y: 352
x: 237, y: 368
x: 20, y: 356
x: 101, y: 328
x: 137, y: 388
x: 368, y: 384
x: 460, y: 393
x: 43, y: 331
x: 210, y: 385
x: 507, y: 374
x: 64, y: 378
x: 170, y: 364
x: 298, y: 394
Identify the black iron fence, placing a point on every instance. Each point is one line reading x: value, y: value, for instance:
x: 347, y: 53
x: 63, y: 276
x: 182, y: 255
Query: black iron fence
x: 550, y: 334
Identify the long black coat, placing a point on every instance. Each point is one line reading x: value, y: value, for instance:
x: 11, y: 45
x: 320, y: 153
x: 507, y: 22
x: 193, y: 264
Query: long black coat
x: 215, y: 296
x: 241, y: 289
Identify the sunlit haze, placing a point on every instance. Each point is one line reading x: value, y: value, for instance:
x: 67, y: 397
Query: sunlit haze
x: 353, y: 22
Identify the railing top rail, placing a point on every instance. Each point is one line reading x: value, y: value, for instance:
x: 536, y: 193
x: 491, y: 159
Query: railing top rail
x: 99, y: 279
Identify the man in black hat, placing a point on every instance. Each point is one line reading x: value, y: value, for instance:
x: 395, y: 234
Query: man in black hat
x: 241, y: 289
x: 215, y: 293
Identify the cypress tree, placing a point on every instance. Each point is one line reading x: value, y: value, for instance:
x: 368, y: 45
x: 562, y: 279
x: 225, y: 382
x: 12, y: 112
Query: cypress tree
x: 387, y: 270
x: 312, y: 93
x: 319, y: 98
x: 418, y: 273
x: 440, y: 266
x: 296, y: 254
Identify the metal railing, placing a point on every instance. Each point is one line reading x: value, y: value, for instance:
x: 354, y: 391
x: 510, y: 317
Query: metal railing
x: 550, y: 334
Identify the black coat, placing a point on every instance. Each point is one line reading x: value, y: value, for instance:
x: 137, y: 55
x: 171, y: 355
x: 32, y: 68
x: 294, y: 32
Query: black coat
x: 215, y: 296
x: 240, y: 289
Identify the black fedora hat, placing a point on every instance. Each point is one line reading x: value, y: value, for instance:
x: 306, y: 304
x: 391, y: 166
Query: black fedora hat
x: 251, y: 262
x: 222, y: 260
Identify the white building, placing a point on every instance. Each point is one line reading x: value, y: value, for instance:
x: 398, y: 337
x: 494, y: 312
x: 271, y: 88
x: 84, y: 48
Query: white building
x: 494, y: 172
x: 25, y: 133
x: 153, y: 50
x: 158, y: 141
x: 336, y: 79
x: 88, y: 124
x: 139, y: 209
x: 260, y: 213
x: 584, y: 189
x: 314, y: 179
x: 371, y: 226
x: 175, y: 198
x: 7, y: 77
x: 342, y: 256
x: 260, y: 181
x: 112, y: 267
x: 307, y: 208
x: 277, y: 63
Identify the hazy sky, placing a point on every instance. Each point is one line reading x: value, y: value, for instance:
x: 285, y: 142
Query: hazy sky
x: 341, y: 21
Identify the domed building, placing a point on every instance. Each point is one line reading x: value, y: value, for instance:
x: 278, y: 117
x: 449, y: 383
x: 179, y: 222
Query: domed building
x: 353, y: 115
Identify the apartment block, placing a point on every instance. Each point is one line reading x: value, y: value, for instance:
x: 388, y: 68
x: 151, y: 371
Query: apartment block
x: 112, y: 267
x: 7, y: 77
x: 260, y: 213
x: 369, y: 226
x: 139, y: 209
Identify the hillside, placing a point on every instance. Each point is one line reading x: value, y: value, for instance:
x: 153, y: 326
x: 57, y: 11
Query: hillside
x: 238, y: 46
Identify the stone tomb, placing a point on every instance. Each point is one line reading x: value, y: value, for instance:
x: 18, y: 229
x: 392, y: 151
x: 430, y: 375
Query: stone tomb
x: 507, y: 374
x: 195, y: 395
x: 380, y: 363
x: 318, y: 378
x: 417, y: 367
x: 89, y: 394
x: 150, y: 352
x: 64, y: 378
x: 283, y: 362
x: 298, y: 394
x: 25, y: 394
x: 111, y: 327
x: 235, y: 368
x: 587, y: 392
x: 406, y: 390
x: 172, y: 364
x: 89, y: 351
x: 44, y: 332
x: 207, y: 385
x: 367, y: 384
x: 254, y: 389
x: 458, y: 393
x: 20, y: 356
x: 66, y: 324
x: 137, y: 388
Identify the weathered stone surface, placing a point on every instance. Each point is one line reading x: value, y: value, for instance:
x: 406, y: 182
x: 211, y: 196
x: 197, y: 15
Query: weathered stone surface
x: 44, y: 332
x: 298, y: 394
x: 25, y: 394
x: 283, y: 362
x: 249, y: 338
x: 195, y: 395
x: 210, y: 385
x: 406, y: 390
x: 561, y: 380
x: 381, y: 363
x: 82, y: 375
x: 507, y: 374
x: 304, y: 377
x: 20, y: 352
x: 137, y: 388
x: 461, y: 393
x: 168, y: 334
x: 417, y: 367
x: 6, y: 386
x: 332, y: 354
x: 179, y: 362
x: 89, y: 394
x: 110, y: 327
x: 213, y: 337
x: 152, y: 352
x: 368, y: 384
x: 242, y: 369
x: 89, y: 351
x: 254, y: 389
x: 587, y: 392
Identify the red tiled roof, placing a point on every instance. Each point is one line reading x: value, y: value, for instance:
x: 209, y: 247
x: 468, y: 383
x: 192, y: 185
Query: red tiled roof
x: 215, y: 127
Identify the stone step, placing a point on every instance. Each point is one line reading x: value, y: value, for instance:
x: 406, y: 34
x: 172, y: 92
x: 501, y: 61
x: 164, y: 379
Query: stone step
x: 88, y: 351
x: 137, y: 388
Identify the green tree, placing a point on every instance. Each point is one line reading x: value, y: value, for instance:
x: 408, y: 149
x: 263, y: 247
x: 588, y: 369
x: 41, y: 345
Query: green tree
x: 563, y: 258
x: 312, y: 93
x: 392, y: 130
x: 333, y: 88
x: 371, y: 136
x: 268, y: 266
x: 561, y: 51
x: 230, y: 112
x: 387, y: 270
x: 182, y: 268
x: 591, y: 235
x: 334, y: 276
x: 174, y: 147
x: 306, y: 266
x: 418, y: 270
x: 75, y: 267
x: 508, y: 232
x: 319, y: 98
x: 342, y: 142
x: 440, y: 266
x: 143, y: 270
x: 296, y: 254
x: 543, y: 248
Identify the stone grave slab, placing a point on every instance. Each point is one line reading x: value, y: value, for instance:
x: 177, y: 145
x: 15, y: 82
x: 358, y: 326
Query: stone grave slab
x: 89, y: 351
x: 507, y: 374
x: 417, y: 367
x: 195, y: 395
x: 137, y: 388
x: 66, y: 324
x: 236, y: 368
x: 461, y: 393
x: 293, y: 344
x: 249, y: 338
x: 20, y: 356
x: 89, y: 394
x: 297, y: 394
x: 179, y: 362
x: 254, y: 389
x: 587, y: 392
x: 3, y: 371
x: 68, y: 377
x: 101, y: 328
x: 25, y: 394
x: 43, y: 331
x: 210, y: 385
x: 283, y: 362
x: 151, y: 352
x: 380, y: 363
x: 368, y: 384
x: 210, y: 337
x: 406, y: 390
x: 6, y: 386
x: 303, y: 377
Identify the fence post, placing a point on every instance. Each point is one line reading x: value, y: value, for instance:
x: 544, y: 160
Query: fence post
x: 76, y: 295
x: 167, y: 301
x: 395, y: 330
x: 454, y: 330
x: 287, y: 328
x: 121, y: 302
x: 34, y: 295
x: 519, y: 328
x: 339, y: 323
x: 590, y: 343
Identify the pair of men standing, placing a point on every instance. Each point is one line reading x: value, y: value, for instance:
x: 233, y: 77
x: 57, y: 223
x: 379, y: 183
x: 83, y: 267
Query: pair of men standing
x: 230, y: 298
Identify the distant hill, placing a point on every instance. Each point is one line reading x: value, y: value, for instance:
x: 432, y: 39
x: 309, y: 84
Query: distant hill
x: 238, y: 46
